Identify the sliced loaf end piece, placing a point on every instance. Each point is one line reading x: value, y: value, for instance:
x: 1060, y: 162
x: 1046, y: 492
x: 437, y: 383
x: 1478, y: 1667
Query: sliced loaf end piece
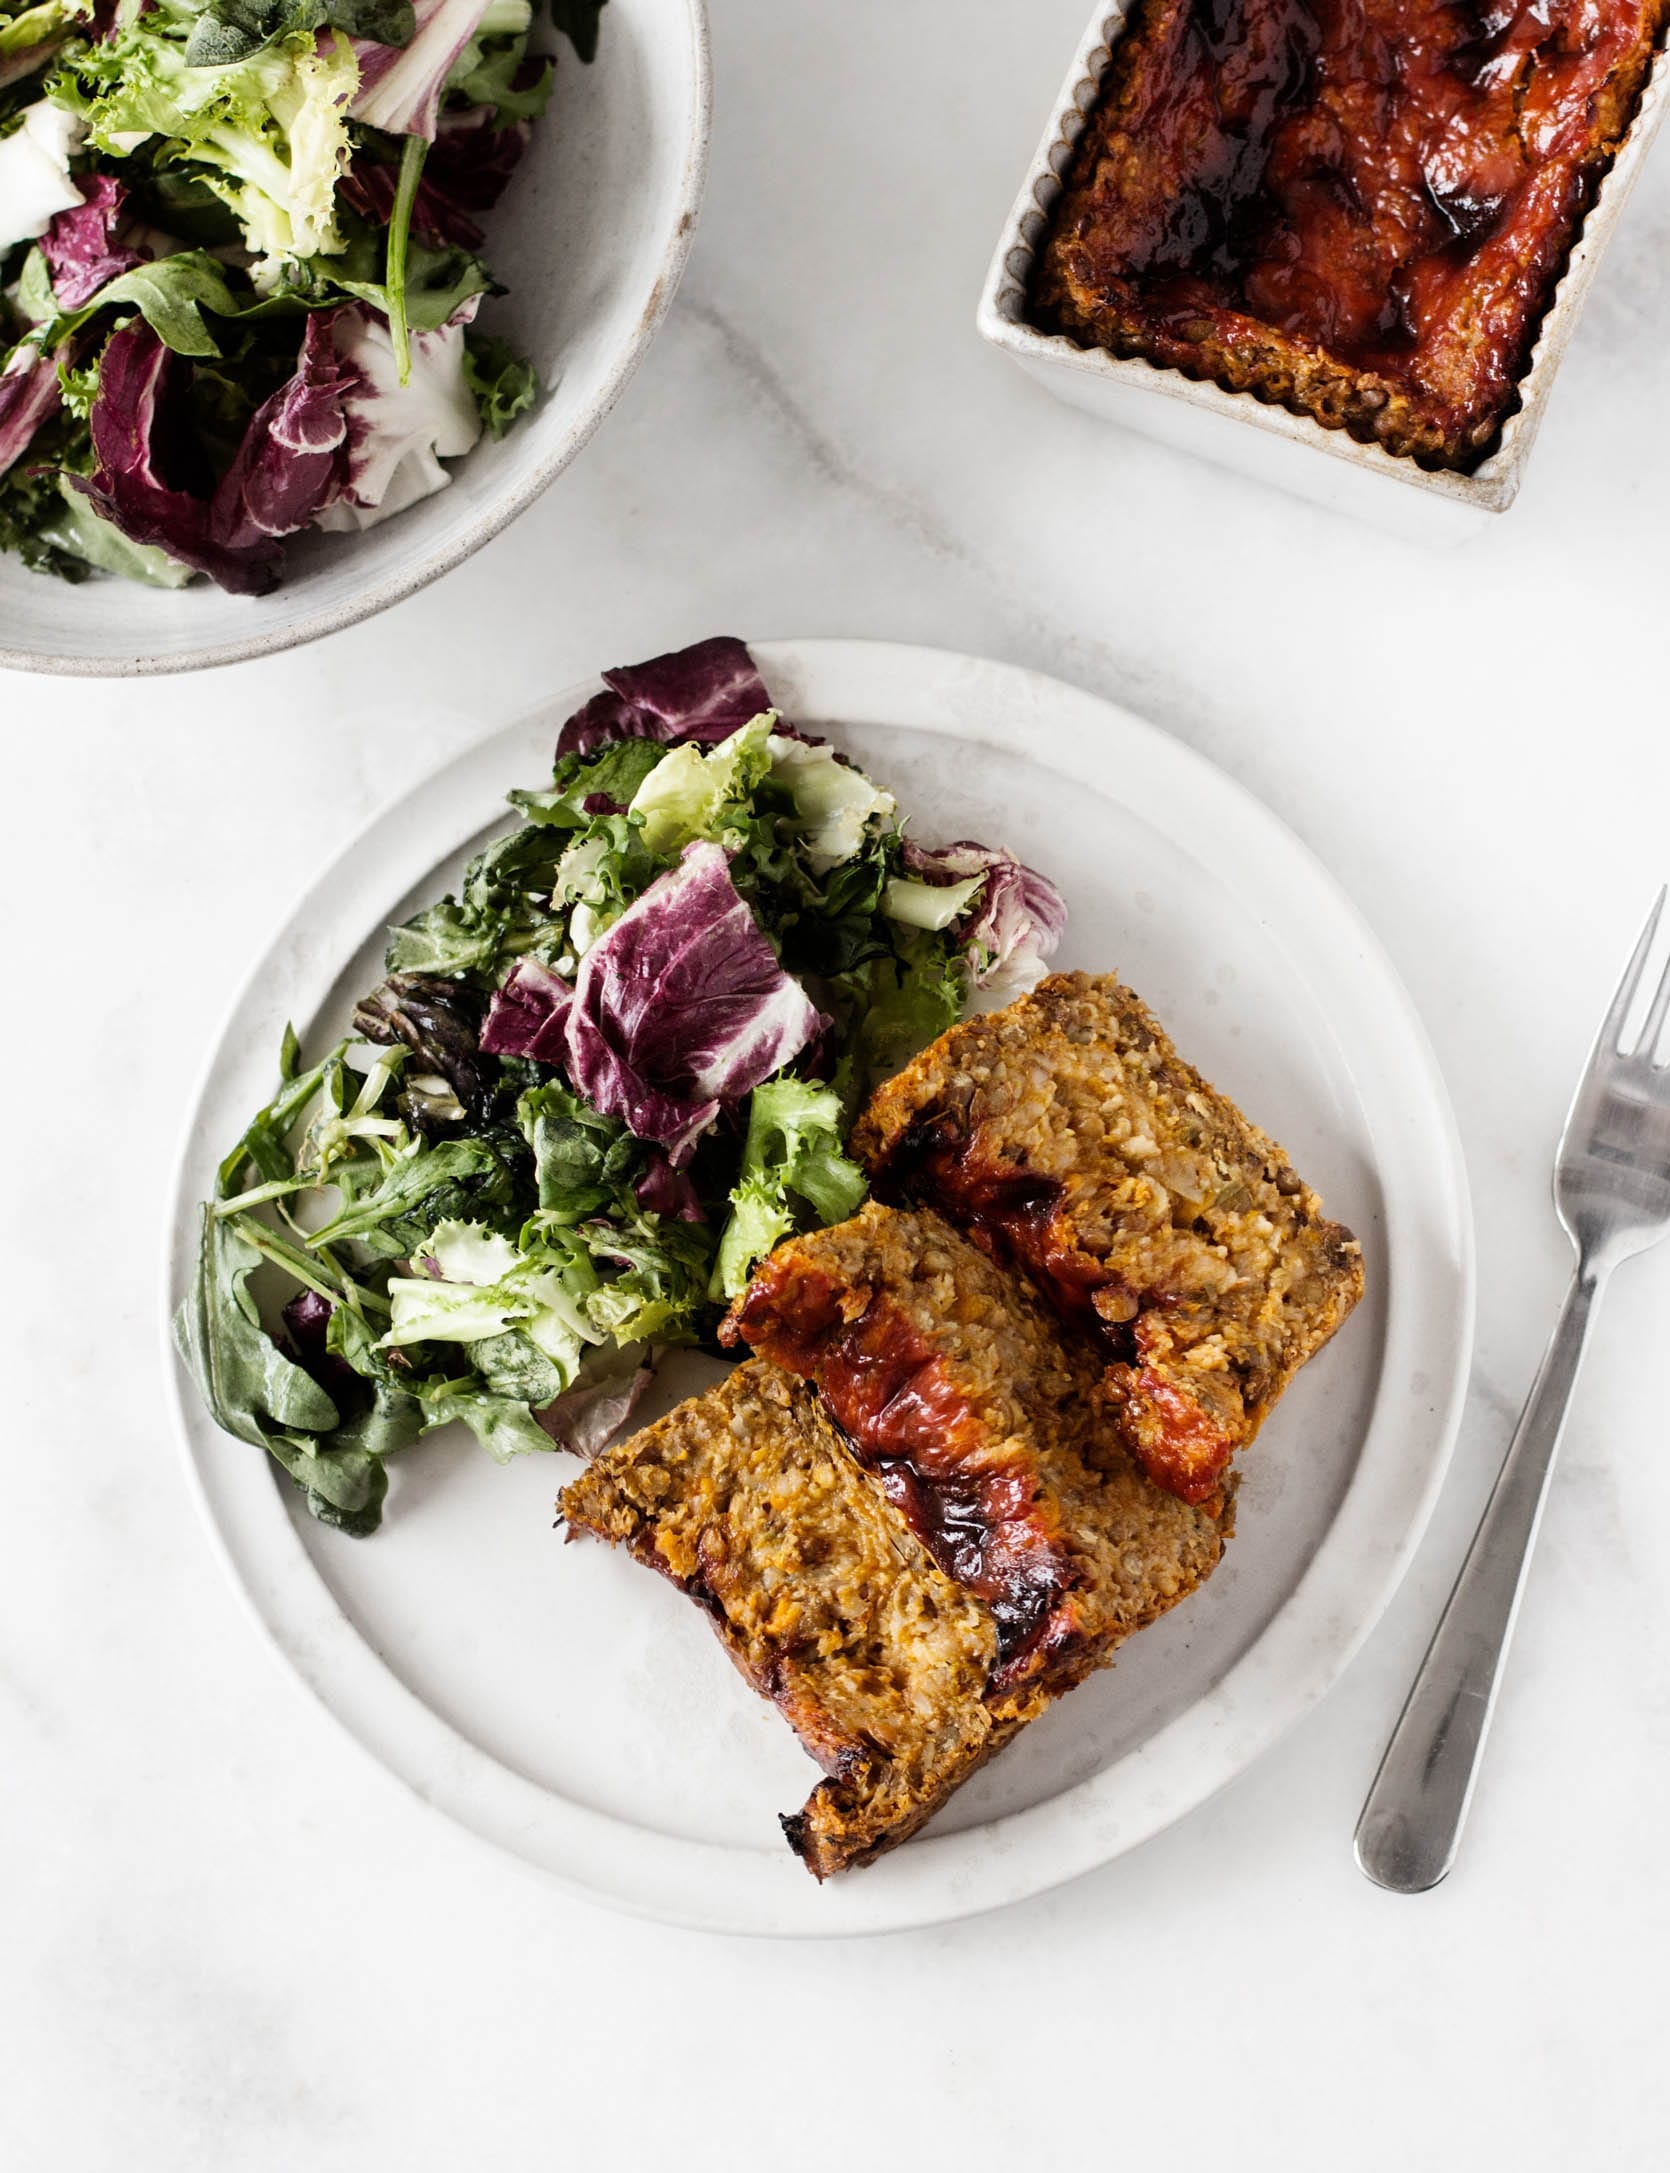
x: 749, y: 1500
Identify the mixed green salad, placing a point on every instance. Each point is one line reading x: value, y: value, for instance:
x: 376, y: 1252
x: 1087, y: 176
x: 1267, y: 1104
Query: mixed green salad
x: 240, y: 268
x: 599, y: 1082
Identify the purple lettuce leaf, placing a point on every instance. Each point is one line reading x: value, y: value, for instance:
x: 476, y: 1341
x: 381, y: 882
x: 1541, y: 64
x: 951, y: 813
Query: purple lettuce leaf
x: 400, y: 87
x: 681, y: 1006
x: 294, y: 456
x: 466, y: 172
x: 586, y: 1417
x: 28, y: 395
x: 668, y: 1191
x: 80, y: 246
x: 1014, y: 924
x: 529, y: 1014
x: 704, y: 693
x: 292, y: 461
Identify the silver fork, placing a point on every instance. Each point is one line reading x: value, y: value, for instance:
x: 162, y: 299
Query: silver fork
x: 1612, y: 1195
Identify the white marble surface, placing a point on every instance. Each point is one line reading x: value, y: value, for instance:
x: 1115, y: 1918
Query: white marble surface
x: 229, y: 1940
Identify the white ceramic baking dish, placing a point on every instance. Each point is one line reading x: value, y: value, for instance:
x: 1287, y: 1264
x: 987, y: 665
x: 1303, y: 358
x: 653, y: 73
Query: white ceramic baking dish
x: 1235, y: 429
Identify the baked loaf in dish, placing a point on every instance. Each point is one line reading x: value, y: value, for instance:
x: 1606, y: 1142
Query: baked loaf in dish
x: 1358, y: 209
x: 1069, y: 1137
x: 989, y: 1430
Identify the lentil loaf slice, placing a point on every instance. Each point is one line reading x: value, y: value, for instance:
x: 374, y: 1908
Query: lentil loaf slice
x: 1067, y: 1135
x: 991, y: 1431
x: 749, y: 1500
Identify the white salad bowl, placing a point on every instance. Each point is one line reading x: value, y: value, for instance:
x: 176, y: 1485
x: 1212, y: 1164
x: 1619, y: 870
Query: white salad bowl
x: 590, y: 239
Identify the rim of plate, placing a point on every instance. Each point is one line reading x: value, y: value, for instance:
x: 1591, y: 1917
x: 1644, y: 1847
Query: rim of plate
x: 1307, y: 1644
x: 493, y: 519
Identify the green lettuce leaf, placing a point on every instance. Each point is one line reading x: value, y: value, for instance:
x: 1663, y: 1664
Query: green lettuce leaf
x: 614, y: 774
x: 486, y: 71
x: 503, y: 384
x: 695, y: 794
x: 268, y: 133
x: 793, y: 1159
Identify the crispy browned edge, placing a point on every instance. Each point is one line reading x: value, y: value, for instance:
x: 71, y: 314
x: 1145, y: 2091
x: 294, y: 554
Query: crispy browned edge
x: 1272, y: 366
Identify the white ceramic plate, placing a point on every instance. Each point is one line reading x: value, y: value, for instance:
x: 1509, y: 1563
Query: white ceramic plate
x: 563, y: 1703
x: 590, y: 240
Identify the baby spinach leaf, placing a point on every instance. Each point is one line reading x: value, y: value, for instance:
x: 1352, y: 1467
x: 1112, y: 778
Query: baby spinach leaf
x: 582, y: 1159
x: 504, y: 1426
x: 230, y: 30
x: 250, y: 1386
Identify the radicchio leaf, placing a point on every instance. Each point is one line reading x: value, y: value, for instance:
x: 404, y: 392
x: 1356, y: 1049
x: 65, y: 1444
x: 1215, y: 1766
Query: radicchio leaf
x: 28, y: 395
x: 292, y: 461
x: 400, y: 86
x: 529, y: 1014
x: 79, y: 245
x: 294, y: 455
x: 668, y: 1191
x: 469, y: 164
x: 1014, y: 924
x: 586, y: 1417
x: 703, y: 693
x: 681, y: 1005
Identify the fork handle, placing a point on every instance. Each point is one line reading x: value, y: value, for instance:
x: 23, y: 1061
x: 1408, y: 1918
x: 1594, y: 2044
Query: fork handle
x: 1412, y: 1820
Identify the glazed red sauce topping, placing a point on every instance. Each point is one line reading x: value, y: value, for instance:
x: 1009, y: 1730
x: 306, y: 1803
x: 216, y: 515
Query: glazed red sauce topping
x: 1016, y: 1214
x: 1386, y: 178
x: 892, y: 1396
x: 1177, y: 1443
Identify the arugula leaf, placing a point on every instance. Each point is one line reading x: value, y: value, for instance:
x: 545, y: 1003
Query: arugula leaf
x: 578, y: 20
x: 171, y: 295
x: 85, y: 534
x: 436, y: 283
x: 461, y: 1180
x: 413, y: 152
x: 252, y: 1389
x: 31, y: 503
